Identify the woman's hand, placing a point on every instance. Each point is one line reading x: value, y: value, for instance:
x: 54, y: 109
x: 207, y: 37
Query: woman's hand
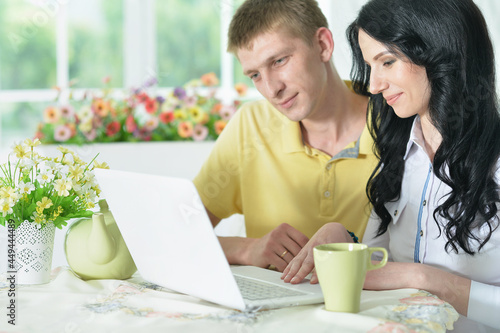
x: 303, y: 263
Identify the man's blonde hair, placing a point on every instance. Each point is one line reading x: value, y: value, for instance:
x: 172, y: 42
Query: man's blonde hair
x: 300, y: 18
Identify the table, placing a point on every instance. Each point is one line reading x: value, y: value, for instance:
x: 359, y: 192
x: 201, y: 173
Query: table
x: 69, y: 304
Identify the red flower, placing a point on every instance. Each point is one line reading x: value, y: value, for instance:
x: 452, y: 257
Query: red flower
x: 151, y: 105
x: 112, y: 128
x: 142, y: 97
x: 166, y: 117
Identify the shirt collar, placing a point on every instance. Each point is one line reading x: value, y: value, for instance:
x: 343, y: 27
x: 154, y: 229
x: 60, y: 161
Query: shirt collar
x: 292, y: 142
x: 292, y: 136
x: 416, y: 136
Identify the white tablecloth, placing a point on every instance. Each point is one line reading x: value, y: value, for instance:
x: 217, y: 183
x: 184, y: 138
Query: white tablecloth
x: 71, y: 305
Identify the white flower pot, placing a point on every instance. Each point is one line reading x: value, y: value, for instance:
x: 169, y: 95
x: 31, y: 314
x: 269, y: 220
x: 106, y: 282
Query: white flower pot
x: 33, y: 248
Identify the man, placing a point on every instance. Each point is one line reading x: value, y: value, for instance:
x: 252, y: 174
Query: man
x: 300, y: 158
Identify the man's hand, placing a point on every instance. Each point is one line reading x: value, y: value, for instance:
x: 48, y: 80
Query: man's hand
x: 277, y: 248
x: 303, y: 263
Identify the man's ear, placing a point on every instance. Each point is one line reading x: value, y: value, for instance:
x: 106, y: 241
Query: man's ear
x: 324, y: 39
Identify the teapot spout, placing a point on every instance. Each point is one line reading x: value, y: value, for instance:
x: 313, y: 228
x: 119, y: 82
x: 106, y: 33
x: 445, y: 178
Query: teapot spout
x: 101, y: 246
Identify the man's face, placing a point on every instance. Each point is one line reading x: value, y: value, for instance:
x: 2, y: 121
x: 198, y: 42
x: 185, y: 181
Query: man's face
x: 288, y: 72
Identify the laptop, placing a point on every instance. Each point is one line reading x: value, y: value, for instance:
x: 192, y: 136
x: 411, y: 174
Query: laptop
x: 173, y: 244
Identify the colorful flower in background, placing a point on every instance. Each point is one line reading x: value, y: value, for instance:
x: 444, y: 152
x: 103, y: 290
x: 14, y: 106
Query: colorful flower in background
x: 192, y: 112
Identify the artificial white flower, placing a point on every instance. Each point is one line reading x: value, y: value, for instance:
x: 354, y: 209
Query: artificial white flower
x: 6, y: 207
x: 62, y: 187
x: 45, y: 176
x: 25, y: 188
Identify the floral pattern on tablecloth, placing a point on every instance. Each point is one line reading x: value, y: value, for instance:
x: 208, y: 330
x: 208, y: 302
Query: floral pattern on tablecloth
x: 117, y: 301
x: 421, y: 312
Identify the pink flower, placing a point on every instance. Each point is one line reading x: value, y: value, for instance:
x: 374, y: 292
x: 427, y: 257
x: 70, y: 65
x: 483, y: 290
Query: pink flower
x: 151, y: 124
x: 190, y: 101
x: 130, y: 124
x: 62, y: 133
x: 200, y: 132
x: 91, y: 135
x: 227, y: 112
x: 67, y: 111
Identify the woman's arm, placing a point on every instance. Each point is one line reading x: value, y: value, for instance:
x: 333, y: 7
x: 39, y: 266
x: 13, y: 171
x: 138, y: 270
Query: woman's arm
x: 449, y: 287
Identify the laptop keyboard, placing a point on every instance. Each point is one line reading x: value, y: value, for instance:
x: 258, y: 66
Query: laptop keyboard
x: 257, y: 290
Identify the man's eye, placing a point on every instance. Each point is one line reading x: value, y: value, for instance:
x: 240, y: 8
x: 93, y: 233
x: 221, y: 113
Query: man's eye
x: 280, y: 61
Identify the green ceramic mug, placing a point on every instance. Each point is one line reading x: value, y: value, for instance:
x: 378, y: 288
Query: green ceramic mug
x: 341, y: 270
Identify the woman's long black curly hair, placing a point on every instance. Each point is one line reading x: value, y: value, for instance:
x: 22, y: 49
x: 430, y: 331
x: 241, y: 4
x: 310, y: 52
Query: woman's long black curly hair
x: 450, y: 39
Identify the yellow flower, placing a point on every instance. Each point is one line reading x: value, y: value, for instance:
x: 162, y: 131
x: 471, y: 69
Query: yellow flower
x: 7, y: 192
x: 62, y: 186
x: 38, y: 218
x: 180, y: 114
x: 21, y: 151
x: 64, y: 150
x: 86, y: 125
x: 102, y: 165
x: 45, y: 203
x: 75, y: 172
x: 196, y: 114
x: 78, y: 160
x: 33, y: 143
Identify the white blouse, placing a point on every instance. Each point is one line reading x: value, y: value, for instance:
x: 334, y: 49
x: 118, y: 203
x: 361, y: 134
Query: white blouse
x: 414, y: 236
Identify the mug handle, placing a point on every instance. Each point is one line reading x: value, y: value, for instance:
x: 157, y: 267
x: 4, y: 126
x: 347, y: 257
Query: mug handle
x: 381, y: 264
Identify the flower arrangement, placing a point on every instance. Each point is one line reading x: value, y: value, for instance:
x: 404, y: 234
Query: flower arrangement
x: 42, y: 190
x: 184, y: 114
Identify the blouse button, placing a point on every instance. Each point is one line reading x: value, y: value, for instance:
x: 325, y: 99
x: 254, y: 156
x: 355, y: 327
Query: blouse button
x: 396, y: 212
x: 425, y: 202
x: 421, y: 233
x: 327, y: 194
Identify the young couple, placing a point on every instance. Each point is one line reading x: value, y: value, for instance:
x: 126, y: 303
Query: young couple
x: 297, y: 164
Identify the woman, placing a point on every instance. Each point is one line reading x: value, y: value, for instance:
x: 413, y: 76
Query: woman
x: 429, y: 67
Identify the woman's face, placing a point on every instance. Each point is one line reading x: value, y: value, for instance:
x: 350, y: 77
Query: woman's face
x: 403, y: 84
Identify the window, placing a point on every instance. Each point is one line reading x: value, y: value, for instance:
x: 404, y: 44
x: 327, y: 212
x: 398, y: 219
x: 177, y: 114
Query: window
x: 28, y: 47
x: 95, y: 42
x: 59, y: 43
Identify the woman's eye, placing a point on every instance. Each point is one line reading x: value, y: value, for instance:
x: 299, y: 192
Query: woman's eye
x: 388, y: 63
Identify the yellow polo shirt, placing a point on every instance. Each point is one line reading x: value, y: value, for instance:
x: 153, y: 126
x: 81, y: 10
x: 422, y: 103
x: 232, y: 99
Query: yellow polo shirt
x: 259, y: 167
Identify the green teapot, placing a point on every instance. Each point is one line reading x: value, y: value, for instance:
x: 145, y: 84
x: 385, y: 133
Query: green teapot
x: 95, y: 248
